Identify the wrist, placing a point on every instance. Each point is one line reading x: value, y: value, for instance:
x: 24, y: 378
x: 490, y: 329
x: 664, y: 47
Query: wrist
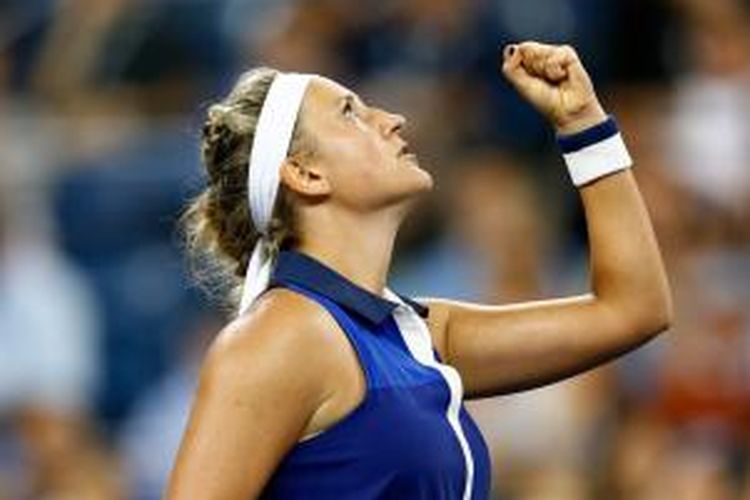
x: 587, y: 117
x: 594, y: 152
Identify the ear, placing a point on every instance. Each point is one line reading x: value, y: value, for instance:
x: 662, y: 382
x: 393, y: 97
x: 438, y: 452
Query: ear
x: 304, y: 177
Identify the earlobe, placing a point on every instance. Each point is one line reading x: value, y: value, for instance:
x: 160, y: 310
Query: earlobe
x: 304, y: 178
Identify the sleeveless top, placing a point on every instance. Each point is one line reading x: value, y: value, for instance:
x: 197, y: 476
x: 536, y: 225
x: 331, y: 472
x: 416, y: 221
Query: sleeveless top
x: 410, y: 437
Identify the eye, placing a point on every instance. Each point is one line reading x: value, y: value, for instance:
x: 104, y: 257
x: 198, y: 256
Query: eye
x: 348, y: 109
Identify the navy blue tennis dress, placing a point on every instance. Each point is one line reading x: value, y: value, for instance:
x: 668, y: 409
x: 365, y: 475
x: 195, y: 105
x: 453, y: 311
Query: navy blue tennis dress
x: 411, y: 437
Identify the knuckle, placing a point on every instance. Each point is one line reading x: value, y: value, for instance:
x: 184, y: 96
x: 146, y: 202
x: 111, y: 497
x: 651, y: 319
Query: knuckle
x: 569, y: 50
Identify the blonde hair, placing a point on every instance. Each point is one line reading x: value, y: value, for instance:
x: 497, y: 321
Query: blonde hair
x: 218, y: 229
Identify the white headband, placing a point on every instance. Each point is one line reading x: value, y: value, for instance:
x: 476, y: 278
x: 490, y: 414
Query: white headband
x: 273, y: 135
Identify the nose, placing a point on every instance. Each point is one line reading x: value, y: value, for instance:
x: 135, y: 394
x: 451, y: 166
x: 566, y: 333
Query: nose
x: 392, y: 123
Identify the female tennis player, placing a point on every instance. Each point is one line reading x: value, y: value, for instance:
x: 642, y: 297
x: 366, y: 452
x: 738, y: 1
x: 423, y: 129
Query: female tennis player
x: 328, y: 384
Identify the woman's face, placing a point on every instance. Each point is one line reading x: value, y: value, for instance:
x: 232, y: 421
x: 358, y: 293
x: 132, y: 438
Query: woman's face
x: 358, y: 149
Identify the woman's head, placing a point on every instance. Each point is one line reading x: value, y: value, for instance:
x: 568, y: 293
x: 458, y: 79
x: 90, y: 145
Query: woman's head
x: 360, y: 160
x: 343, y: 156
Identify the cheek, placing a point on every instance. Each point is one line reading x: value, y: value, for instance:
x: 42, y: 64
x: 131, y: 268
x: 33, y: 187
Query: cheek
x: 359, y: 150
x: 365, y: 173
x: 358, y: 158
x: 353, y: 142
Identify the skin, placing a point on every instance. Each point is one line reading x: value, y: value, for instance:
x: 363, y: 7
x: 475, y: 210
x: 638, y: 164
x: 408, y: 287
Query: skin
x: 285, y: 371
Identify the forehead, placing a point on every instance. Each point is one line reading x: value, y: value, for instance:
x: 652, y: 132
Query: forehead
x: 324, y: 93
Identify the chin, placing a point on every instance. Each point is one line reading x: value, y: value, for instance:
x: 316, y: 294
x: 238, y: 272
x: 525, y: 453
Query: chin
x: 409, y: 191
x: 417, y: 182
x: 427, y: 181
x: 404, y: 184
x: 420, y: 178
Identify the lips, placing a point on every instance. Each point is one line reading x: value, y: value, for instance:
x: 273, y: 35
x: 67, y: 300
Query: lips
x: 404, y: 150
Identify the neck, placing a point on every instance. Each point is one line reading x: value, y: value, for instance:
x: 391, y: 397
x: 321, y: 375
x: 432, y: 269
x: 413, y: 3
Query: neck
x: 359, y: 248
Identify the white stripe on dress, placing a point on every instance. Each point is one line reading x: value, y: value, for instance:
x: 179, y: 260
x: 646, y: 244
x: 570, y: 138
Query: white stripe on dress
x: 417, y: 337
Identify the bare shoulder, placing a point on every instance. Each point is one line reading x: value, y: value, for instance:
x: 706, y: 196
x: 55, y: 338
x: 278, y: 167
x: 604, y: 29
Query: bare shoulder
x: 269, y: 368
x: 283, y: 329
x: 279, y: 315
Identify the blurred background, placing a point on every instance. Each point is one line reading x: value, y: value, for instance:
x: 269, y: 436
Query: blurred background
x: 102, y: 328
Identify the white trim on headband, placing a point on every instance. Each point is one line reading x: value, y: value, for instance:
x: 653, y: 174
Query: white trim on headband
x: 273, y: 135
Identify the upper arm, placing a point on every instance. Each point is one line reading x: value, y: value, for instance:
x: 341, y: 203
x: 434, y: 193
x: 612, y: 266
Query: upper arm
x: 260, y: 383
x: 502, y: 349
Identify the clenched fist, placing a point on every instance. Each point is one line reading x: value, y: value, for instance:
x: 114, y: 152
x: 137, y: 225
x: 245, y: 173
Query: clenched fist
x: 553, y: 80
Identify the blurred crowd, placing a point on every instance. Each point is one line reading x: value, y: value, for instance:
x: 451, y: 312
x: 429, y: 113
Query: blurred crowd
x: 102, y: 328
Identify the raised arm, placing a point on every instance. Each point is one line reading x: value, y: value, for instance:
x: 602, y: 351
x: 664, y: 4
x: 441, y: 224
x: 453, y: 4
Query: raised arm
x: 502, y: 349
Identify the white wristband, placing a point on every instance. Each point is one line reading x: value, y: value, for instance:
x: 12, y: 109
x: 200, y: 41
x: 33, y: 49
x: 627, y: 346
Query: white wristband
x: 594, y: 152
